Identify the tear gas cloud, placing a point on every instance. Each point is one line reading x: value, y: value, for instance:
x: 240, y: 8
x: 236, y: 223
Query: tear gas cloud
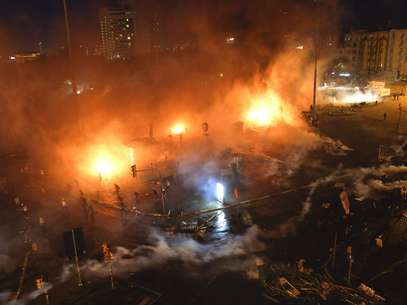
x: 163, y: 249
x: 191, y: 253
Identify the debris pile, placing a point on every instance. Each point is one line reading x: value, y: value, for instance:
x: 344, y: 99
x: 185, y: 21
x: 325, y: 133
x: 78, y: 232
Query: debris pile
x: 283, y: 283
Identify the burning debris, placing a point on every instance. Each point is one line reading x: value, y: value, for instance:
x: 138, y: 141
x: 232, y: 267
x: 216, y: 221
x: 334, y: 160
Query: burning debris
x: 268, y: 109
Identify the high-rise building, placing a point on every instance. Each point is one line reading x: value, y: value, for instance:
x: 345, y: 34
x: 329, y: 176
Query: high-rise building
x: 118, y: 33
x: 156, y: 43
x: 382, y: 53
x: 397, y: 53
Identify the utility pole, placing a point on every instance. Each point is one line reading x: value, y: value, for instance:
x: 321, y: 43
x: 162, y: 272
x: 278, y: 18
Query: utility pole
x: 334, y: 249
x: 399, y: 120
x: 78, y: 270
x: 350, y: 262
x: 68, y: 41
x: 314, y: 95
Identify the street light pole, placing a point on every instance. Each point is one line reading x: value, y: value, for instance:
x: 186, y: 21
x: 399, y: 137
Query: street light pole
x: 314, y: 96
x: 68, y: 41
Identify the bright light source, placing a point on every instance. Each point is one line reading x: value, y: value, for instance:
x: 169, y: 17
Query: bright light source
x: 107, y: 164
x: 345, y: 74
x: 360, y: 97
x: 267, y: 109
x: 103, y: 166
x: 230, y: 40
x: 301, y: 47
x: 220, y: 192
x: 177, y: 129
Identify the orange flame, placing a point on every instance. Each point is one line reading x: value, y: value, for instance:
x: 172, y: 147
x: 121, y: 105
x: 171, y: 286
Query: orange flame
x: 178, y: 128
x: 267, y: 109
x: 107, y: 161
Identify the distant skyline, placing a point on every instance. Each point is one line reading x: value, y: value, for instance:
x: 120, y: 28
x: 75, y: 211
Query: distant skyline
x: 23, y: 23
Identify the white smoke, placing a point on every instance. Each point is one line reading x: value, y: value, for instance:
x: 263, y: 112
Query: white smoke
x: 290, y: 226
x: 26, y: 298
x: 237, y: 254
x: 363, y: 182
x: 366, y: 185
x: 186, y: 250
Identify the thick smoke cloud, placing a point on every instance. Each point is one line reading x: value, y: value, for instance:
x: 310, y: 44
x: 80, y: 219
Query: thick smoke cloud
x: 160, y: 250
x: 32, y: 105
x: 186, y: 250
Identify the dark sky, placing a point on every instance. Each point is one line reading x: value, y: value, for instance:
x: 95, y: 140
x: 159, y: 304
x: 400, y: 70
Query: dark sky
x: 374, y: 14
x: 26, y: 22
x: 23, y: 23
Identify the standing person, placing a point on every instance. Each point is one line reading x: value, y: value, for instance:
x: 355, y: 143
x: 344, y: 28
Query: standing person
x: 136, y: 201
x: 17, y: 201
x: 41, y: 222
x: 403, y: 192
x: 385, y: 116
x: 65, y: 210
x: 122, y: 206
x: 379, y: 241
x: 63, y: 203
x: 85, y: 206
x: 91, y: 212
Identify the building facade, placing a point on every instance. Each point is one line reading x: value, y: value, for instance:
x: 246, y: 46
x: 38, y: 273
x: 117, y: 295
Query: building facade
x: 123, y: 33
x: 156, y: 39
x: 378, y: 54
x: 397, y: 53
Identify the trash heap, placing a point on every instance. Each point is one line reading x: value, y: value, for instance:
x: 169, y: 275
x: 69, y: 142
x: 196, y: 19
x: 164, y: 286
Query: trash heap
x: 285, y: 284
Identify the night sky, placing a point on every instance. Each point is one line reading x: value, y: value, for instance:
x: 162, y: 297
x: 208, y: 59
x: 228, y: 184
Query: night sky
x: 23, y: 23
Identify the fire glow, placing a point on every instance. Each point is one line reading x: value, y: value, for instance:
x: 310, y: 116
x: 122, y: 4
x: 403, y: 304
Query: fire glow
x: 107, y: 162
x: 266, y: 110
x: 104, y: 166
x: 178, y: 129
